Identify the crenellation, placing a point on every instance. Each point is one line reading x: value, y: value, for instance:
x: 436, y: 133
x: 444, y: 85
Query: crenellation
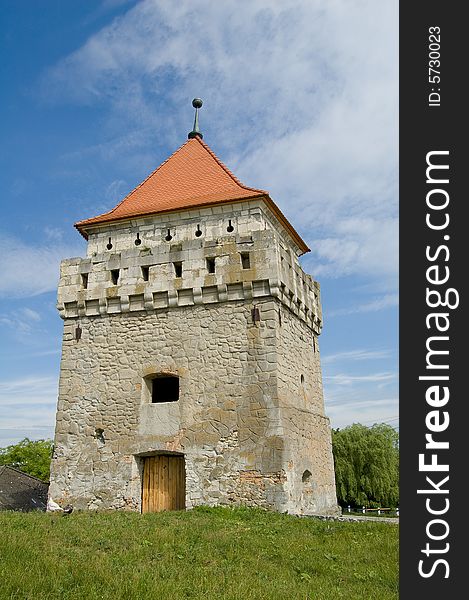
x: 196, y: 284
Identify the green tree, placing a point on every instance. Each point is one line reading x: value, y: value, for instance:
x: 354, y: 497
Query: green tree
x: 32, y: 457
x: 366, y: 465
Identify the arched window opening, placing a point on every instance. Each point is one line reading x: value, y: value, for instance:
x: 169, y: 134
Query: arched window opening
x: 115, y: 276
x: 178, y: 269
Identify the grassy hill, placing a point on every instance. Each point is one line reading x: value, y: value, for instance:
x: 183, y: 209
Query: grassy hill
x: 206, y: 553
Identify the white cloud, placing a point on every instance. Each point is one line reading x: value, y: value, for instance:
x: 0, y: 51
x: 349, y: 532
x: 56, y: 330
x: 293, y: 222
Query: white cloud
x: 27, y: 408
x: 300, y: 97
x: 357, y: 397
x: 35, y: 383
x: 31, y: 314
x: 380, y: 303
x: 54, y: 234
x: 41, y: 353
x: 353, y: 355
x: 346, y: 379
x: 342, y: 414
x: 31, y: 270
x: 115, y: 191
x: 21, y: 321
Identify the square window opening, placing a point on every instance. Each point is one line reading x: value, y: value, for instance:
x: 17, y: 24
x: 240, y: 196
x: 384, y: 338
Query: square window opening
x: 165, y: 389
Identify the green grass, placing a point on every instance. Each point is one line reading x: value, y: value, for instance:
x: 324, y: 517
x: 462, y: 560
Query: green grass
x: 206, y: 553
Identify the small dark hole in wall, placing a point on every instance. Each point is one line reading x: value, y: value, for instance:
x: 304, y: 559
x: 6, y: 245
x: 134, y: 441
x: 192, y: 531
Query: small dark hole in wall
x: 145, y: 273
x: 115, y: 276
x: 306, y: 477
x: 230, y: 227
x: 138, y: 241
x: 84, y: 281
x: 99, y: 435
x: 178, y: 269
x: 109, y: 245
x: 255, y: 314
x: 302, y: 379
x: 165, y: 389
x: 198, y: 231
x: 245, y: 260
x: 211, y: 265
x: 168, y: 237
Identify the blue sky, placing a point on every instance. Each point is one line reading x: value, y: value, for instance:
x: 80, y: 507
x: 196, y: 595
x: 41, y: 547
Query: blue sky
x: 300, y: 98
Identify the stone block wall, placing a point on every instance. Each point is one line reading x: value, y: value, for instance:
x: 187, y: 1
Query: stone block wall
x: 230, y: 424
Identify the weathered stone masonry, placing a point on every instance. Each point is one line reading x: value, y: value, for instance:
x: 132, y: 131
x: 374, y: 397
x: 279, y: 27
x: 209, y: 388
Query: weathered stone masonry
x: 242, y: 340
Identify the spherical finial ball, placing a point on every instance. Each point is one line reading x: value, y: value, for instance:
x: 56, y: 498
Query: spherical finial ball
x: 197, y: 102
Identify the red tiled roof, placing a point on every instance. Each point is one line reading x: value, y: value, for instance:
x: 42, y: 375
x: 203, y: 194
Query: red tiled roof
x: 191, y: 177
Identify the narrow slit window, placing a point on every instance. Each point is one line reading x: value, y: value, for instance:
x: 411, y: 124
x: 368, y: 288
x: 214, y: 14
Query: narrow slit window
x: 178, y: 269
x: 211, y: 265
x: 165, y: 389
x: 145, y: 273
x: 245, y: 260
x: 84, y: 281
x: 115, y: 276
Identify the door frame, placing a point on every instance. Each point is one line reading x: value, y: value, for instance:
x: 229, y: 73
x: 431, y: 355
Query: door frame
x: 153, y: 454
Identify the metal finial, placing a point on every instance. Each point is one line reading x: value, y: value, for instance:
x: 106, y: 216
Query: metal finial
x: 196, y: 103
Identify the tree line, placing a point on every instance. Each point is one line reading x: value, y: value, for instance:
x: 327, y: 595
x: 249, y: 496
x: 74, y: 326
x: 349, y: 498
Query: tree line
x: 366, y: 463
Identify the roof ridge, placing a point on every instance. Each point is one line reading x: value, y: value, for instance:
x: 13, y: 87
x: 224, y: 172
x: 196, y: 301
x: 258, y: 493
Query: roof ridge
x: 109, y: 212
x: 225, y: 168
x: 23, y: 473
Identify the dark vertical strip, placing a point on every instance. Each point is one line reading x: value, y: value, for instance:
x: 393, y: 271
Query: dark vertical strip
x: 433, y: 272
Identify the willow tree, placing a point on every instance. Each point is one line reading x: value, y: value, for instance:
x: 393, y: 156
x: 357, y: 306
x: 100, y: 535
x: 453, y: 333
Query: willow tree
x: 366, y: 465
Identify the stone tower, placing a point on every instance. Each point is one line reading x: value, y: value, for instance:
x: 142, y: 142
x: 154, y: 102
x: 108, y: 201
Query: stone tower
x: 190, y: 369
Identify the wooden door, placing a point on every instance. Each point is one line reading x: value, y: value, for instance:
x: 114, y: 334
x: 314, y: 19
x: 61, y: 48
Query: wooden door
x: 164, y: 483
